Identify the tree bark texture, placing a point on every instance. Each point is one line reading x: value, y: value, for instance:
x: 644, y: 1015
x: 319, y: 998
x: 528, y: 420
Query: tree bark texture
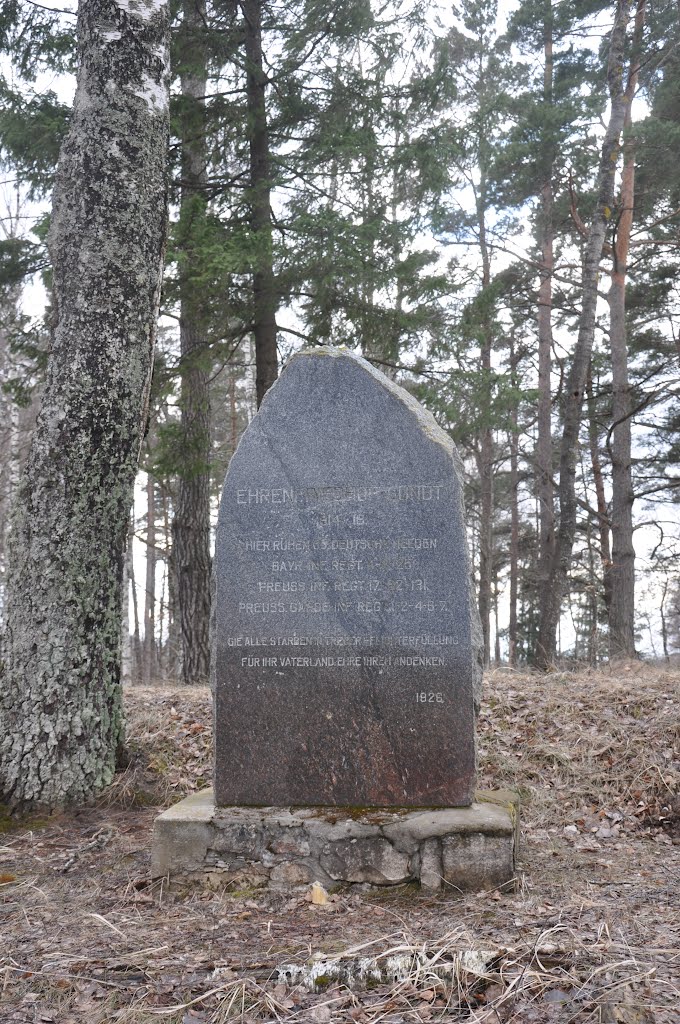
x: 60, y: 703
x: 132, y: 583
x: 264, y: 284
x: 514, y: 514
x: 16, y: 428
x: 544, y: 447
x: 622, y: 607
x: 172, y: 652
x: 598, y: 480
x: 125, y: 638
x: 555, y: 585
x: 191, y: 525
x: 150, y: 660
x: 485, y: 457
x: 664, y: 624
x: 9, y: 411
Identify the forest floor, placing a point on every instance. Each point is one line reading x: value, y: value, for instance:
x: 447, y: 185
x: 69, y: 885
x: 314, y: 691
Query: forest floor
x: 590, y: 935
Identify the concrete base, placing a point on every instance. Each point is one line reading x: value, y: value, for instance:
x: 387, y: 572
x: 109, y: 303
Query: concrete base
x: 464, y: 848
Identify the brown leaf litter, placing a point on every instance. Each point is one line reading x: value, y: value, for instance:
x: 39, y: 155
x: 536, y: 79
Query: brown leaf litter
x: 591, y: 934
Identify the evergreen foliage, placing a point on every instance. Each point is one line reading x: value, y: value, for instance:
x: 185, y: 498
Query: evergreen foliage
x: 404, y: 199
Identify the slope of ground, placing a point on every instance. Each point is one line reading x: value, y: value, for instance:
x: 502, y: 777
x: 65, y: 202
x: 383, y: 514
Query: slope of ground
x: 590, y: 935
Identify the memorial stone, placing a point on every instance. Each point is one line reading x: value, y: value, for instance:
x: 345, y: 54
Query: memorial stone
x: 346, y: 652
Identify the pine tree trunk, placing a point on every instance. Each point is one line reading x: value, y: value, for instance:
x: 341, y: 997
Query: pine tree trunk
x: 598, y: 480
x: 514, y: 516
x: 264, y: 284
x: 60, y: 702
x: 172, y: 658
x: 16, y: 427
x: 496, y: 620
x: 372, y: 348
x: 544, y: 452
x: 485, y: 457
x: 555, y: 586
x: 251, y: 376
x: 125, y: 638
x: 664, y: 624
x: 233, y: 414
x: 7, y: 447
x: 132, y: 582
x: 622, y: 609
x: 591, y: 636
x: 150, y: 673
x: 191, y: 526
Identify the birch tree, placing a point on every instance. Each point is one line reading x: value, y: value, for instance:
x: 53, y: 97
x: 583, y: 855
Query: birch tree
x: 60, y: 703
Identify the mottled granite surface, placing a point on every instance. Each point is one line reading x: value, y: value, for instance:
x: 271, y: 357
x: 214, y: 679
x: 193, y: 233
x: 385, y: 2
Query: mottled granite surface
x: 346, y: 641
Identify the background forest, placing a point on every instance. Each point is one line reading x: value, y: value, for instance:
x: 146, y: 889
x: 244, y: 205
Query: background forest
x: 483, y: 199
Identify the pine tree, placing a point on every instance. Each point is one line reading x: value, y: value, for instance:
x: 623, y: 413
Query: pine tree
x: 478, y: 60
x: 622, y: 585
x: 554, y: 586
x: 191, y: 523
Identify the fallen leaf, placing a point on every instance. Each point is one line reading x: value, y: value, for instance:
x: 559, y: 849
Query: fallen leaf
x: 556, y: 995
x: 319, y: 895
x: 493, y: 992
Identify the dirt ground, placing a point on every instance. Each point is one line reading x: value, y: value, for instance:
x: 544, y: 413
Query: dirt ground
x: 589, y: 935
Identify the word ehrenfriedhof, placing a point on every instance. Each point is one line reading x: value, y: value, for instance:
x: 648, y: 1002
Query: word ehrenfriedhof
x: 346, y: 645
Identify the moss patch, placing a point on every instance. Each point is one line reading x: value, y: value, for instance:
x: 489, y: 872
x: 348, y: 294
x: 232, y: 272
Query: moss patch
x: 20, y: 823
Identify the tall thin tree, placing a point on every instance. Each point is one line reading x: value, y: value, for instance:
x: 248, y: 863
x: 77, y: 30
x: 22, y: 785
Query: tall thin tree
x: 191, y: 523
x: 264, y: 283
x: 622, y: 572
x: 554, y: 586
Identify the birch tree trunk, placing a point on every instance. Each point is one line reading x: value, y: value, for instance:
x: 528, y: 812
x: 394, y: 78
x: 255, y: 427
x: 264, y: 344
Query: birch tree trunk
x: 61, y: 720
x: 555, y: 585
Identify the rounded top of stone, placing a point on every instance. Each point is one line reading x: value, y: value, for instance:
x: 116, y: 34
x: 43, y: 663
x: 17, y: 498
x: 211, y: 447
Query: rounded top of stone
x: 341, y: 353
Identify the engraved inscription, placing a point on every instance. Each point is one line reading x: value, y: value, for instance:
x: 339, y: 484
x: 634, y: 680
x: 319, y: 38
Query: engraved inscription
x: 324, y: 579
x: 336, y: 496
x: 344, y: 646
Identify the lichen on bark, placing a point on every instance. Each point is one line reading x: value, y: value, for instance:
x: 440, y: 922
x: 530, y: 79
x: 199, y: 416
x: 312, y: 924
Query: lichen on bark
x: 60, y: 703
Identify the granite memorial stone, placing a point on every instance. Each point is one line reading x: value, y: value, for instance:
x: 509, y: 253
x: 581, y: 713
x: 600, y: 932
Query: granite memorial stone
x: 347, y: 646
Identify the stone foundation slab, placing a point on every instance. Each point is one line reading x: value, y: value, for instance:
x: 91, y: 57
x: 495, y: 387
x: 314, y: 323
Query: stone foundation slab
x: 459, y: 848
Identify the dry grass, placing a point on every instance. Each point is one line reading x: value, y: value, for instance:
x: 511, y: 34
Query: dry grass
x: 590, y: 936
